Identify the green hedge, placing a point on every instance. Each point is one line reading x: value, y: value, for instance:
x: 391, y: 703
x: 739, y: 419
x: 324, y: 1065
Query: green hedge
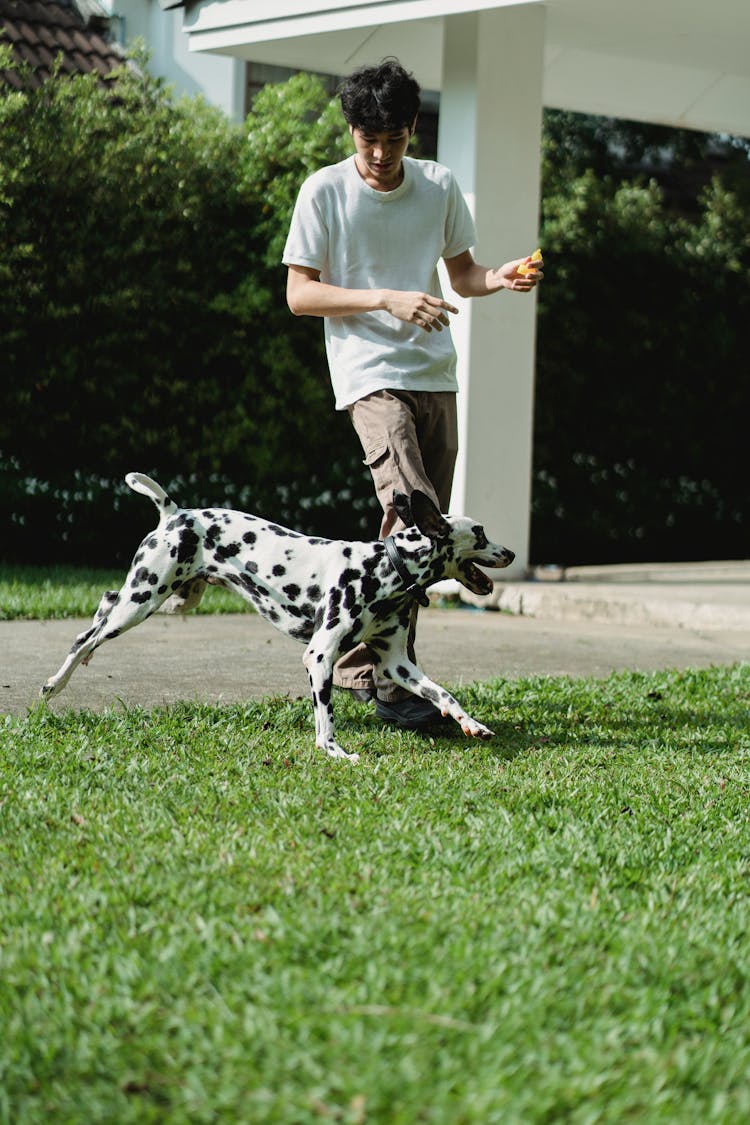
x: 143, y: 326
x: 643, y: 394
x: 143, y: 322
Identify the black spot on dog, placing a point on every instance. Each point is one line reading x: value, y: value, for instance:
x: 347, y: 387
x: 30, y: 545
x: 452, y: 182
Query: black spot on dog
x: 212, y: 536
x: 227, y: 551
x: 182, y: 520
x: 386, y: 608
x: 334, y: 602
x: 82, y: 640
x: 141, y: 599
x: 350, y: 598
x: 278, y: 570
x: 314, y: 593
x: 249, y: 537
x: 292, y: 591
x: 188, y: 545
x: 370, y: 588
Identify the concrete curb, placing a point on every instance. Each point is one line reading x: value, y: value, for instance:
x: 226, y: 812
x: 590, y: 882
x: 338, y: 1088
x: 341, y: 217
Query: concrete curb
x: 615, y: 606
x: 711, y: 595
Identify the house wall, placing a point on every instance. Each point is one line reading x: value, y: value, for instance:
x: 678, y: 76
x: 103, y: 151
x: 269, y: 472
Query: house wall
x: 219, y: 78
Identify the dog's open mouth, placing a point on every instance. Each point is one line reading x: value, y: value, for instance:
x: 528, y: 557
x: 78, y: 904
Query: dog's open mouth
x: 474, y: 579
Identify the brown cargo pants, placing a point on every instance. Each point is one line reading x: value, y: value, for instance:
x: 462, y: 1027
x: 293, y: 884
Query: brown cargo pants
x: 410, y: 440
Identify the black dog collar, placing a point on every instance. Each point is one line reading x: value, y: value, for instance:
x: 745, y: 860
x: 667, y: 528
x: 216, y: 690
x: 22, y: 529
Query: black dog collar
x: 412, y: 588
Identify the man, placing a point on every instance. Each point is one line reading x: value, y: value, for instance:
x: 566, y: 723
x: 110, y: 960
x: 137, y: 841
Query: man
x: 362, y: 252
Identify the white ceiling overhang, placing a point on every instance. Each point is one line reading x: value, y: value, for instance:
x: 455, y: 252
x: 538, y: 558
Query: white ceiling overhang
x: 675, y: 62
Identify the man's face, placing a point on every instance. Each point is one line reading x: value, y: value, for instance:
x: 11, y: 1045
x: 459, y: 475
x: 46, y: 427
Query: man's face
x: 379, y: 155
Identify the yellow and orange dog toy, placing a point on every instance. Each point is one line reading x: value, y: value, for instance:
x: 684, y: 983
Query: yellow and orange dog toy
x: 535, y: 257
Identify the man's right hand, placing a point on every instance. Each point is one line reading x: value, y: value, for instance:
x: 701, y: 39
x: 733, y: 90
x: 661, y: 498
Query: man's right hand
x: 422, y: 309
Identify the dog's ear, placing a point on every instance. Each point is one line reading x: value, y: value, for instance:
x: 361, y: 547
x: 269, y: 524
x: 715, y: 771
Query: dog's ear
x: 426, y: 515
x: 402, y: 508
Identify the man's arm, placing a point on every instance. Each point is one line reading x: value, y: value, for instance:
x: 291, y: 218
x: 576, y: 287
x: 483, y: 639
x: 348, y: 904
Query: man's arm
x: 469, y: 279
x: 307, y: 295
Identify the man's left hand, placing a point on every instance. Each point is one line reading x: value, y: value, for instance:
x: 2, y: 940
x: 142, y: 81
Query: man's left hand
x: 508, y: 276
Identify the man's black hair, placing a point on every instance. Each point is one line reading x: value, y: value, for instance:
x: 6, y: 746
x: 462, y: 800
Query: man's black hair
x: 378, y: 99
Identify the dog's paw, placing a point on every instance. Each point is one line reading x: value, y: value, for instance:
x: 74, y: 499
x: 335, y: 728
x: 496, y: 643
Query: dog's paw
x: 473, y: 729
x: 333, y: 750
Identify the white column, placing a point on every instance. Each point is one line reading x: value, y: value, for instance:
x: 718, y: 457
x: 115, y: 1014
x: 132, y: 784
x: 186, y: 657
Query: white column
x: 490, y: 133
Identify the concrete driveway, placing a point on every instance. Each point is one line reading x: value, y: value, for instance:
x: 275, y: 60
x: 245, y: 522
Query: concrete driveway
x: 597, y: 621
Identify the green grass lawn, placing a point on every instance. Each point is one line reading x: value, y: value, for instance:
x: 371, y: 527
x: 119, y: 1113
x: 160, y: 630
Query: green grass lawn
x: 203, y: 919
x: 52, y: 592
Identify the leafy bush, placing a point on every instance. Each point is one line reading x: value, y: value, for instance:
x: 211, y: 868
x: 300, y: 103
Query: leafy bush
x: 143, y: 321
x: 641, y: 408
x: 143, y: 325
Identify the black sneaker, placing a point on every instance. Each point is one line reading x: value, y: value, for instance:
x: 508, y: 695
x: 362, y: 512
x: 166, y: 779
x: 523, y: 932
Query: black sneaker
x: 412, y: 713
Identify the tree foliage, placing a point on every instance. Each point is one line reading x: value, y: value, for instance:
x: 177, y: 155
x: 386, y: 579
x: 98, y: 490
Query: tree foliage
x: 642, y: 395
x: 293, y: 129
x: 143, y: 325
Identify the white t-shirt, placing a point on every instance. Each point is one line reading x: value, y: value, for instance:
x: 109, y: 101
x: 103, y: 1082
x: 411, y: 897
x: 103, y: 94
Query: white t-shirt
x: 360, y: 238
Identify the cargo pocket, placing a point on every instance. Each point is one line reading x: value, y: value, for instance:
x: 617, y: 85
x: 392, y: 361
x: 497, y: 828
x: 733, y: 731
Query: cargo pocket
x: 378, y: 452
x: 381, y: 464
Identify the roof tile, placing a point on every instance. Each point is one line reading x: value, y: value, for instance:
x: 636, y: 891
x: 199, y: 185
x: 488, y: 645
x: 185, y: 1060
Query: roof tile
x: 65, y: 41
x: 39, y: 30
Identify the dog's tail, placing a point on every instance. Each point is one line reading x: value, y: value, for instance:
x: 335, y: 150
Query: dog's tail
x: 139, y: 482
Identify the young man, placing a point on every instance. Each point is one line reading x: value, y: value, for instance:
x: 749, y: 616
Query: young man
x: 362, y: 252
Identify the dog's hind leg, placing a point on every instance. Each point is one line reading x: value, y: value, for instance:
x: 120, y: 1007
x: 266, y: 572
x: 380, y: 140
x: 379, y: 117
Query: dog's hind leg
x: 116, y: 613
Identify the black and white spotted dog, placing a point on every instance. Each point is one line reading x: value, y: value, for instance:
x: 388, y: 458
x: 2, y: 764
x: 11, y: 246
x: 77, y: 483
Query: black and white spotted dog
x: 329, y: 594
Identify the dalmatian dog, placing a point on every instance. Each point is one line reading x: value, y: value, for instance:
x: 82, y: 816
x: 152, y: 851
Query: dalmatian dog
x: 329, y: 594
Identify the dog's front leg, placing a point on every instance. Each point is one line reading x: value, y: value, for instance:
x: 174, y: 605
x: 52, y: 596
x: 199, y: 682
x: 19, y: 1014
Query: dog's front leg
x: 398, y: 667
x: 320, y: 673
